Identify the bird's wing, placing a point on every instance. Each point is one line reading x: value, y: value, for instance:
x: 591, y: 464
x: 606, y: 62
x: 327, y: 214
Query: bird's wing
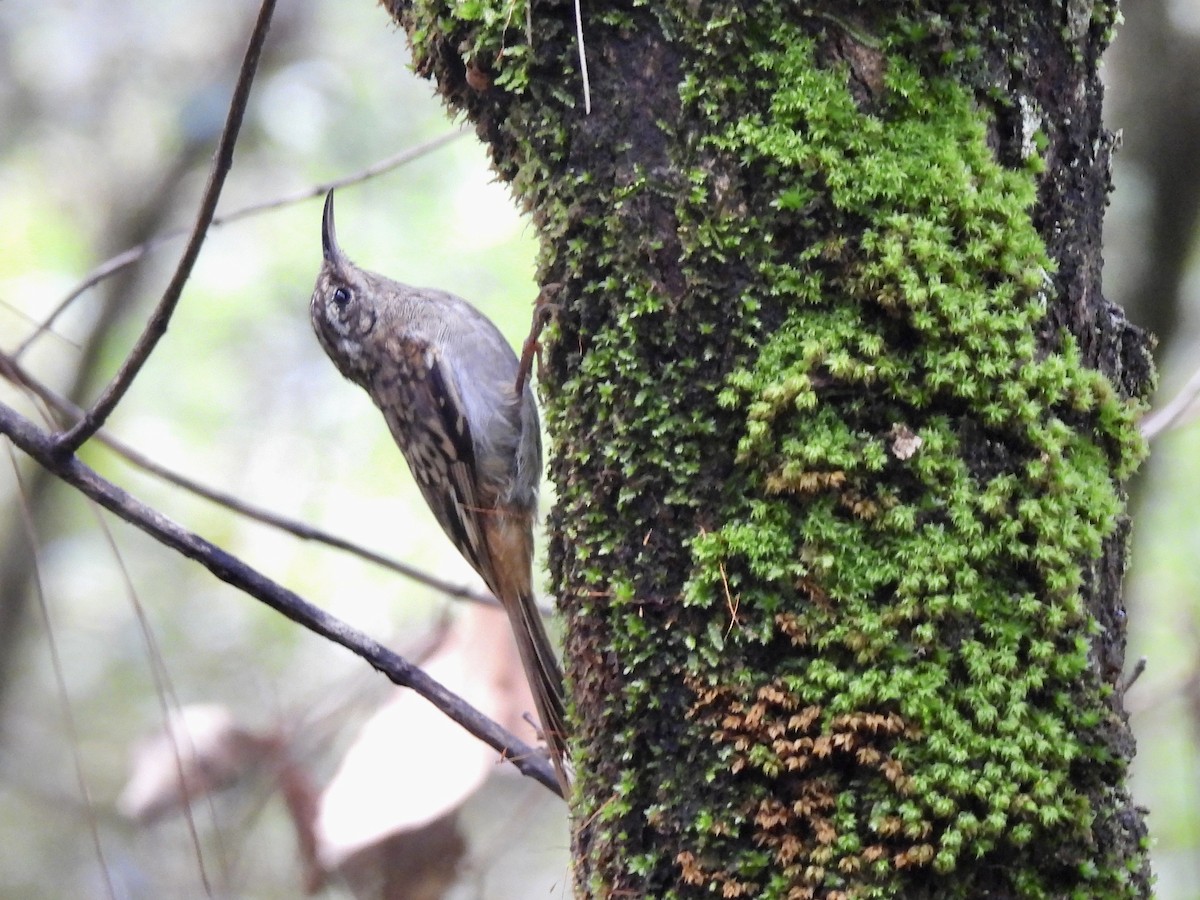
x: 435, y: 436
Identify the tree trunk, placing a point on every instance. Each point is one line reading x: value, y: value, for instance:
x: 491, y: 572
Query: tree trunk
x: 840, y: 424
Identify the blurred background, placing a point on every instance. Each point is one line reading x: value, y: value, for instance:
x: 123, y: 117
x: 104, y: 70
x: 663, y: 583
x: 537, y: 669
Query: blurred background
x: 109, y: 114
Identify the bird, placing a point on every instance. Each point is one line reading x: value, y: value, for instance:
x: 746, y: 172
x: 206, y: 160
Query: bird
x: 447, y: 383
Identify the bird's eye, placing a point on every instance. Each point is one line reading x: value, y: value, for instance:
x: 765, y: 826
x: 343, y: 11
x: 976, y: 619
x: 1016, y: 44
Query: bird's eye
x: 341, y: 296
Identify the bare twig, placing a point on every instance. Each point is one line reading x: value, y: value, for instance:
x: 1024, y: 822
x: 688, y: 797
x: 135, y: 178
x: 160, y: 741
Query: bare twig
x: 104, y: 270
x: 41, y: 326
x: 41, y: 447
x: 1138, y: 668
x: 168, y: 701
x: 14, y: 372
x: 60, y: 680
x: 67, y: 443
x: 128, y: 257
x: 320, y: 190
x: 1161, y: 420
x: 583, y: 68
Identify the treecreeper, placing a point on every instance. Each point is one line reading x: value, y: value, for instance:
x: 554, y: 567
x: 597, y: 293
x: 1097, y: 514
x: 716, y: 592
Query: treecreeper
x: 445, y: 380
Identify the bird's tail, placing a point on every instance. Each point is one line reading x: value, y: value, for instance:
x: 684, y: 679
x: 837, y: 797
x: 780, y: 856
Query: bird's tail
x: 510, y: 546
x: 545, y: 680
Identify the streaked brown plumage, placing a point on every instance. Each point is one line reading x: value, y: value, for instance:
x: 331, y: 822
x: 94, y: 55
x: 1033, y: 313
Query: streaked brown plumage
x: 445, y: 379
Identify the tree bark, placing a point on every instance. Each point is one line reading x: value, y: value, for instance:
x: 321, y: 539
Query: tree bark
x: 841, y: 422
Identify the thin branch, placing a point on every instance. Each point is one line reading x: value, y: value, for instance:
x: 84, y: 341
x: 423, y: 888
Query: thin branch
x: 67, y: 443
x: 128, y: 257
x: 60, y: 680
x: 296, y: 528
x: 164, y: 691
x: 583, y: 68
x: 1138, y: 669
x: 104, y: 270
x: 320, y: 190
x: 1161, y: 420
x: 14, y: 372
x: 42, y: 448
x: 40, y: 326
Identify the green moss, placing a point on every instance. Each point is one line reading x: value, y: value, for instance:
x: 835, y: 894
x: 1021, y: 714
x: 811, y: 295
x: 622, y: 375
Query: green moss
x: 924, y: 483
x: 490, y: 37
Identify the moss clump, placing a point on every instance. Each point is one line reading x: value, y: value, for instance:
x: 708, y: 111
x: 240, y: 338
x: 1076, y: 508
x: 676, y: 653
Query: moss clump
x: 926, y: 485
x: 490, y: 39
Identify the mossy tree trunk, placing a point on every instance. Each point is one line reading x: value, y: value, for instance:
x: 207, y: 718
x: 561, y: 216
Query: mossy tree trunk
x: 840, y: 424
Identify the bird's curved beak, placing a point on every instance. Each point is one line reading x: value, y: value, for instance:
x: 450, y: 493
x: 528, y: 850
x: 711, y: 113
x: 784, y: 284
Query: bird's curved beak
x: 329, y: 245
